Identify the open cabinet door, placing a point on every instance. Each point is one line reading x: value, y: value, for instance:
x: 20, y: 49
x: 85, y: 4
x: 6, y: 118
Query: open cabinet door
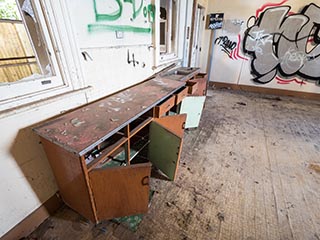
x: 121, y: 191
x: 192, y: 106
x: 165, y: 136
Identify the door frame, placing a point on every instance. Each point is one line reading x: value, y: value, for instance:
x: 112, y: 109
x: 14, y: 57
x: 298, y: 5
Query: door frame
x: 200, y: 29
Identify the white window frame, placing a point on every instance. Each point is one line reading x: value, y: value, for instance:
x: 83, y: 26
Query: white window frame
x: 171, y: 55
x: 20, y: 93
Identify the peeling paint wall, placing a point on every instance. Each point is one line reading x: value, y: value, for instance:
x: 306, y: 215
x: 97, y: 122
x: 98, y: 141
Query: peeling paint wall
x: 272, y: 44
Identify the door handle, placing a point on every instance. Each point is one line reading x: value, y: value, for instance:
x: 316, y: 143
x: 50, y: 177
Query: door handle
x: 145, y: 181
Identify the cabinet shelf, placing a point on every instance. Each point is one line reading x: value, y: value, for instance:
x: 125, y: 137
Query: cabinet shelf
x: 106, y: 152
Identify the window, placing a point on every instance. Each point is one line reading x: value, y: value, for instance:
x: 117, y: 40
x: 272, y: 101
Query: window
x: 28, y: 65
x: 168, y: 29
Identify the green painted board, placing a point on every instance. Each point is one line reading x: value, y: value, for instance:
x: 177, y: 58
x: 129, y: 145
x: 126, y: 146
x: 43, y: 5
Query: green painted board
x: 164, y: 149
x: 192, y: 106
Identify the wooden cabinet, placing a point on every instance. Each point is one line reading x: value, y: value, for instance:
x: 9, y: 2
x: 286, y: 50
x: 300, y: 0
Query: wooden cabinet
x: 201, y: 80
x: 101, y: 154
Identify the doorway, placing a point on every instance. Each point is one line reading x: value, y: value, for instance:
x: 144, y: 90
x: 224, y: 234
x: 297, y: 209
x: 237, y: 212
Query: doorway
x: 197, y: 32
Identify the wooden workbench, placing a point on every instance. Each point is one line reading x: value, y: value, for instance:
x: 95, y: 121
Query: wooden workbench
x: 100, y: 153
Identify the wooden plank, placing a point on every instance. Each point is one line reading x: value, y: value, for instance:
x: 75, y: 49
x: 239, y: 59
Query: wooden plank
x: 67, y: 169
x: 16, y: 47
x: 121, y: 191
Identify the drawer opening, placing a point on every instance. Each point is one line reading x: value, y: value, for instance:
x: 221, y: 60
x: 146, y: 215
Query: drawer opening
x: 101, y: 152
x: 192, y: 86
x: 201, y: 75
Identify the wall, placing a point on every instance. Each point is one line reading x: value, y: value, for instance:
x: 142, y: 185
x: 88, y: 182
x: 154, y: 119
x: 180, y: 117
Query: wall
x: 121, y: 39
x: 107, y: 50
x: 267, y: 44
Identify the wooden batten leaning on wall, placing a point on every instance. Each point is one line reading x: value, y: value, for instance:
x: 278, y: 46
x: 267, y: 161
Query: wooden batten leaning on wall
x: 271, y: 91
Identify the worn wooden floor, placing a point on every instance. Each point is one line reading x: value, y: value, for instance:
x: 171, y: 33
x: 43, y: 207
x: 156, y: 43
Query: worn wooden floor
x: 250, y: 171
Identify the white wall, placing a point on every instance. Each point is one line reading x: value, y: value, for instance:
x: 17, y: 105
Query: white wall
x: 237, y: 68
x: 26, y: 180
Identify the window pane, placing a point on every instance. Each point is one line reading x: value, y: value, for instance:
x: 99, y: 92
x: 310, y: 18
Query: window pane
x: 23, y: 55
x: 168, y: 27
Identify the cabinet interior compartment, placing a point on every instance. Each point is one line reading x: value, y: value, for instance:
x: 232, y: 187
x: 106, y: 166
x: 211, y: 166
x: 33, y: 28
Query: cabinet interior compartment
x: 100, y: 154
x: 139, y: 123
x: 139, y: 146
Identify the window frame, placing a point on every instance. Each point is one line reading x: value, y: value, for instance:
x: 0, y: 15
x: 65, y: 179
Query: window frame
x: 20, y: 93
x: 172, y: 54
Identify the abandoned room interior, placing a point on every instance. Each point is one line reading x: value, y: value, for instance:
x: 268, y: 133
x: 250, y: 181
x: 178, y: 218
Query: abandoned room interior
x: 160, y: 119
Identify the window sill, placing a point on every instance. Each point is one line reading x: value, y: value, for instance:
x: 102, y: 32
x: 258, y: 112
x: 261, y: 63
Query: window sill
x: 166, y: 62
x: 64, y: 93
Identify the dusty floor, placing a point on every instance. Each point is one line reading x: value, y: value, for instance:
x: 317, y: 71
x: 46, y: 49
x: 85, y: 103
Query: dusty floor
x: 250, y: 171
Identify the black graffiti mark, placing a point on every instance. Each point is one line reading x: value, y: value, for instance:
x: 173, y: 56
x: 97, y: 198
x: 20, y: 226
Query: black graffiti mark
x: 133, y: 61
x: 226, y: 45
x: 284, y: 44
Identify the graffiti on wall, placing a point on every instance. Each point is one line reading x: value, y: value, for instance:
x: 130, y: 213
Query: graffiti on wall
x: 284, y: 45
x: 229, y: 47
x: 109, y: 12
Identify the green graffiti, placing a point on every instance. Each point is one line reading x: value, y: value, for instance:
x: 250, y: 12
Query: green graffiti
x: 108, y: 17
x: 135, y: 12
x: 124, y: 28
x: 151, y: 10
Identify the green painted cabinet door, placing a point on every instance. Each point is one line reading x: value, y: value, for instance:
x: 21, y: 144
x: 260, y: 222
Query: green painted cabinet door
x: 165, y: 143
x: 192, y: 106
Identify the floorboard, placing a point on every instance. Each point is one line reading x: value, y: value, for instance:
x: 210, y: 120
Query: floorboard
x: 250, y: 171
